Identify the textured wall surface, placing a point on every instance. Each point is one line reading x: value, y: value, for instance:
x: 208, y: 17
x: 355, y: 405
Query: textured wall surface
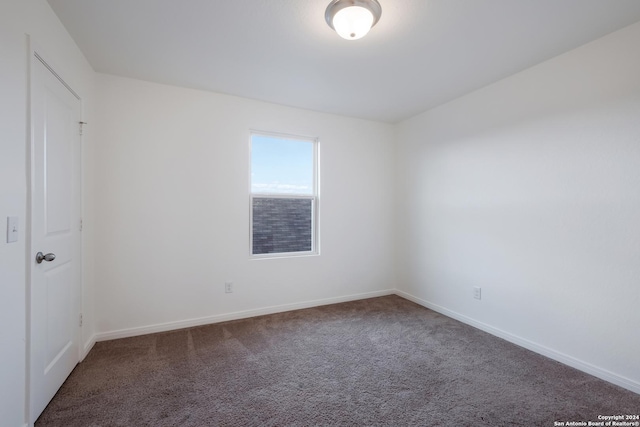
x: 528, y: 189
x: 172, y: 172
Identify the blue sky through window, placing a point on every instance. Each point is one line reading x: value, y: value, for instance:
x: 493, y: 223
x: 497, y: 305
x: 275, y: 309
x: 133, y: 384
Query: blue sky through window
x: 280, y: 165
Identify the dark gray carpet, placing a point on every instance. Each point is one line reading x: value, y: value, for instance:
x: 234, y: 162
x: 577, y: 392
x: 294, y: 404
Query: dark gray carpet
x: 383, y: 361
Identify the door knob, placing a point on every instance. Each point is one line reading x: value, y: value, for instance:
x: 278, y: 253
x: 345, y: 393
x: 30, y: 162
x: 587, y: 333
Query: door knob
x: 47, y: 257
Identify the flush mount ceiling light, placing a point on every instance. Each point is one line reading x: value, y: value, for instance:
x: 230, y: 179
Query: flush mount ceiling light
x: 352, y: 19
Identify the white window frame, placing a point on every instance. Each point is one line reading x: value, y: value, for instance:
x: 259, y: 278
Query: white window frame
x: 315, y: 197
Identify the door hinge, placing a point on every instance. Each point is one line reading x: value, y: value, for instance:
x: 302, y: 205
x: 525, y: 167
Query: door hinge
x: 80, y: 319
x: 81, y: 124
x: 81, y: 225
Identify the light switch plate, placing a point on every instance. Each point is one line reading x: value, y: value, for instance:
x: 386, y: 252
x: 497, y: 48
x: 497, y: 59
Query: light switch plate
x: 12, y: 229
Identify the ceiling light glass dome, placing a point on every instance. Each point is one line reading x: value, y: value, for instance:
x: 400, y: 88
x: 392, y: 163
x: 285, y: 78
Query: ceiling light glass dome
x: 352, y: 19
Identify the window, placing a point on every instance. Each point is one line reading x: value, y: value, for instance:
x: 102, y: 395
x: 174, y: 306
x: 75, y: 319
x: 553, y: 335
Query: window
x: 284, y: 195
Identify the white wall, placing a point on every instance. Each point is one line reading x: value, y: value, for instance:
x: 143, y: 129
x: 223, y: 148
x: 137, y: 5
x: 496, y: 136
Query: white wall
x: 172, y: 186
x: 530, y: 189
x: 12, y: 203
x: 17, y: 19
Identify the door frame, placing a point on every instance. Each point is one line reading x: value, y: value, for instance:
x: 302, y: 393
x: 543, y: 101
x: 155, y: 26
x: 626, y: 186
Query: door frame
x: 36, y: 53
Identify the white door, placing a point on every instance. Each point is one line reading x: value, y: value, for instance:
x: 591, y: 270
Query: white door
x: 55, y: 231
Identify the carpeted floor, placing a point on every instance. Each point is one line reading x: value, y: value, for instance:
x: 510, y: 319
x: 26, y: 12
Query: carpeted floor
x: 378, y: 362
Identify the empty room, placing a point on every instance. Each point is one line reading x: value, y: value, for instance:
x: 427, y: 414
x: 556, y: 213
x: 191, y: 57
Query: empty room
x: 320, y: 212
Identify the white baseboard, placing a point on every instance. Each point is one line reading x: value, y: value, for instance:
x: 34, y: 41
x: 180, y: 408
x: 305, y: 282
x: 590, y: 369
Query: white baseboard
x: 170, y: 326
x: 596, y: 371
x: 87, y: 347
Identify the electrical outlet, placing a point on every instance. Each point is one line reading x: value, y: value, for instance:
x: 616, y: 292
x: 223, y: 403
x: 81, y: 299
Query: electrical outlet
x: 228, y: 287
x: 477, y: 292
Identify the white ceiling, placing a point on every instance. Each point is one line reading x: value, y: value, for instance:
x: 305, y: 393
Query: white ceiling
x: 421, y: 54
